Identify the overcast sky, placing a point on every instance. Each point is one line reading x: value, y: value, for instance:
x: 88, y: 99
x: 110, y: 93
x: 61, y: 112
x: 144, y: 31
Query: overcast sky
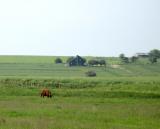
x: 84, y: 27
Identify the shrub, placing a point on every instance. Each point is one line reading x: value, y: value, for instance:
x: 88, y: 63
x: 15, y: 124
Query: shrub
x: 154, y: 55
x: 90, y: 74
x: 102, y: 62
x: 58, y: 60
x: 133, y: 59
x: 123, y: 58
x: 94, y: 62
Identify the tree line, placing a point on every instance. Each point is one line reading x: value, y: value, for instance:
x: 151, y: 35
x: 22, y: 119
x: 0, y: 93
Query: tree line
x: 91, y: 62
x: 153, y: 57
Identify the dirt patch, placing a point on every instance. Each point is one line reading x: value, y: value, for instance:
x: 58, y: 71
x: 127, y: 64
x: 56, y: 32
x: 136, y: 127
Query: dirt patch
x: 115, y: 66
x: 120, y: 67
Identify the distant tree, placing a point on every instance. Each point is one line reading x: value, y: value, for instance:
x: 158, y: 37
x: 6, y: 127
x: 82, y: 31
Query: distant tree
x: 123, y: 58
x: 58, y: 60
x: 152, y: 59
x: 102, y: 62
x: 92, y: 62
x: 96, y: 62
x: 126, y: 60
x: 133, y: 59
x: 154, y: 55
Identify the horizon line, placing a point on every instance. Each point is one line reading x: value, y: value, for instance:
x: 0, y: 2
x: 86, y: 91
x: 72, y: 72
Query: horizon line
x: 53, y: 55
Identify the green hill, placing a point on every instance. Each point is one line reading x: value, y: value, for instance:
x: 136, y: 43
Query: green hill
x: 44, y: 67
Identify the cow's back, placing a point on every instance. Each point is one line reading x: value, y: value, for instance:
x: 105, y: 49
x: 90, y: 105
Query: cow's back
x: 46, y: 92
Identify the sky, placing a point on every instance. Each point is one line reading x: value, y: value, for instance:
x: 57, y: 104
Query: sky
x: 79, y: 27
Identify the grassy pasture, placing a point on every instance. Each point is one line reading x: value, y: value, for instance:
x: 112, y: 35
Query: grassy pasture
x: 38, y: 70
x: 123, y: 97
x: 97, y: 108
x: 48, y: 59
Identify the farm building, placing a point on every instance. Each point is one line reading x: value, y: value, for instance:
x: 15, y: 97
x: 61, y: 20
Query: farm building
x: 77, y: 61
x: 141, y: 54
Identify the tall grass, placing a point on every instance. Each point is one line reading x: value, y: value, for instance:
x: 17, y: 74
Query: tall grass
x: 110, y: 88
x: 82, y: 82
x: 29, y: 112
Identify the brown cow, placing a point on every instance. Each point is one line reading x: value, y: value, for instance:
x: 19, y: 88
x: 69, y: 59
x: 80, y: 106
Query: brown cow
x: 46, y: 92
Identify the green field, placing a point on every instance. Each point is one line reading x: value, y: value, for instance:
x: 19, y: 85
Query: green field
x: 120, y: 97
x: 44, y: 67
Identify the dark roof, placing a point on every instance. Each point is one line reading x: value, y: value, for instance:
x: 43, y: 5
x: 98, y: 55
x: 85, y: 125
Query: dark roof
x: 76, y: 61
x: 141, y: 54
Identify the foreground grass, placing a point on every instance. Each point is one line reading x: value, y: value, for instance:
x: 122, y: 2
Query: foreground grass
x: 76, y: 113
x: 123, y: 97
x: 90, y: 108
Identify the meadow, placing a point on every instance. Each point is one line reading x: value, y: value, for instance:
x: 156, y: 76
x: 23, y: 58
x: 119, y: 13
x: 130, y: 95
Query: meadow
x: 120, y: 97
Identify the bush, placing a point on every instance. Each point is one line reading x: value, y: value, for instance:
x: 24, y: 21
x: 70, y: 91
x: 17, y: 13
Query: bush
x: 123, y: 58
x: 94, y: 62
x: 133, y: 59
x: 154, y: 55
x: 90, y: 74
x: 102, y: 62
x: 58, y: 60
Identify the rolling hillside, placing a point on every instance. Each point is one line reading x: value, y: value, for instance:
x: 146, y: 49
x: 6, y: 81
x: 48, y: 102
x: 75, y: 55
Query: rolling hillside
x: 44, y: 67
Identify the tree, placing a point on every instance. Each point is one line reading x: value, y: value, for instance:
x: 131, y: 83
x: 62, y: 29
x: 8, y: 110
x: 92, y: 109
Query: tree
x: 133, y: 59
x: 102, y: 62
x: 92, y: 62
x: 97, y: 62
x: 58, y: 60
x: 154, y: 55
x: 152, y: 59
x: 123, y: 58
x: 126, y: 60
